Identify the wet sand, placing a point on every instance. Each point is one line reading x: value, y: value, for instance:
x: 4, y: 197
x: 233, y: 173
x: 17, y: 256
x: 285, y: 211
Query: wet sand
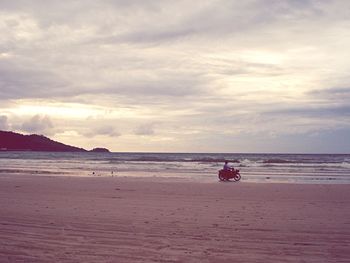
x: 72, y: 219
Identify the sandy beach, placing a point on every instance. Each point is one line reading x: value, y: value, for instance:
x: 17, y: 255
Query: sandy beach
x: 73, y: 219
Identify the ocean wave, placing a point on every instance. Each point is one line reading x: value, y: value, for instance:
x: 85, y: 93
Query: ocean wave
x: 345, y: 165
x: 250, y: 163
x: 214, y: 160
x: 162, y: 159
x: 280, y: 161
x: 292, y: 164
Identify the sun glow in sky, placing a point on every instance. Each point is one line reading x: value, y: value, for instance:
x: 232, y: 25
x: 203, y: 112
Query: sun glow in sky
x: 178, y: 76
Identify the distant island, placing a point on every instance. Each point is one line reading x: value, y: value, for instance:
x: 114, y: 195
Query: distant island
x: 11, y: 141
x: 100, y: 150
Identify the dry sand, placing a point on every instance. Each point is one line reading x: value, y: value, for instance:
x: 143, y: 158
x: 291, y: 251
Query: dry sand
x: 62, y: 219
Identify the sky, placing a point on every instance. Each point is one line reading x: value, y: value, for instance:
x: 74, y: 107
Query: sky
x: 261, y: 76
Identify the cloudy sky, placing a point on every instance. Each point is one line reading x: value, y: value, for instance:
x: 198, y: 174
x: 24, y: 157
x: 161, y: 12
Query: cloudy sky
x: 178, y: 76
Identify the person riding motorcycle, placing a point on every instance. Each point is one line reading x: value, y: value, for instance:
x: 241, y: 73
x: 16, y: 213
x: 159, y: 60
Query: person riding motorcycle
x: 227, y: 167
x: 228, y: 172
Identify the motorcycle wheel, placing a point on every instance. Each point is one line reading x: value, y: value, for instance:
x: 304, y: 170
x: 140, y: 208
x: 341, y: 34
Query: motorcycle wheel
x: 237, y: 177
x: 221, y: 178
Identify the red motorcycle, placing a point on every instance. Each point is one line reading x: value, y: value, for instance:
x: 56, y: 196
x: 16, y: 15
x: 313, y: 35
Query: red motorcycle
x: 226, y: 175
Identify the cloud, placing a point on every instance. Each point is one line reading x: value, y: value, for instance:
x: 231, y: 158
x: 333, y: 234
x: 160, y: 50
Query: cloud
x: 38, y: 124
x: 145, y: 129
x: 4, y: 125
x: 195, y: 66
x: 103, y: 130
x: 341, y: 94
x: 313, y: 111
x: 19, y: 81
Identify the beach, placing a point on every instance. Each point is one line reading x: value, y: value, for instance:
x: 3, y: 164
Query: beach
x: 123, y: 219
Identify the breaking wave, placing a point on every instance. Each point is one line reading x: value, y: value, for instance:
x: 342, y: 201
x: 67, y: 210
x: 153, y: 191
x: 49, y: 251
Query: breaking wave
x: 198, y: 165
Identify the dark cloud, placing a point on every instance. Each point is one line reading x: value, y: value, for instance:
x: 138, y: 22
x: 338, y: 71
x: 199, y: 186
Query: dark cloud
x: 155, y: 37
x: 234, y: 67
x: 317, y: 111
x: 153, y: 22
x: 342, y: 93
x: 319, y: 141
x: 20, y: 81
x: 217, y: 18
x: 137, y: 74
x: 320, y: 104
x: 168, y: 87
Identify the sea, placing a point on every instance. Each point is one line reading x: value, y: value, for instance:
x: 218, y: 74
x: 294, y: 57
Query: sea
x: 201, y: 167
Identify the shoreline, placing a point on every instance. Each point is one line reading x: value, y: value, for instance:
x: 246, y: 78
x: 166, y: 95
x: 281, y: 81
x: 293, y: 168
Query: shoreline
x: 101, y: 219
x: 179, y: 177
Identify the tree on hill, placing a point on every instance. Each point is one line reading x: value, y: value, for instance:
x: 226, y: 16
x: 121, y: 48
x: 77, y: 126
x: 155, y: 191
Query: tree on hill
x: 12, y: 141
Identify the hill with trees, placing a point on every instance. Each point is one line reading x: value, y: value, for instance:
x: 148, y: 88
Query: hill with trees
x: 11, y: 141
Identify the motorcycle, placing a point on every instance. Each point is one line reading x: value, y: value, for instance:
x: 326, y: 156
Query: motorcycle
x: 226, y: 175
